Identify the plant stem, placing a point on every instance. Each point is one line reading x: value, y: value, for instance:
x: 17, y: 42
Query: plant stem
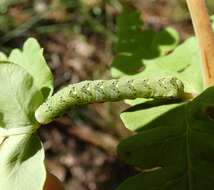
x: 204, y: 33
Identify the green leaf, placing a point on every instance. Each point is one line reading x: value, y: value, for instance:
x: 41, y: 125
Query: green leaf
x: 21, y: 156
x: 135, y: 118
x: 19, y: 97
x: 134, y: 44
x: 174, y: 150
x: 32, y: 59
x: 22, y: 163
x: 183, y: 63
x: 3, y: 57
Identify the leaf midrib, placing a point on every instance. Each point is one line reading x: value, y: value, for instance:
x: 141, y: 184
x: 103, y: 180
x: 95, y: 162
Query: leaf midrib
x: 188, y: 149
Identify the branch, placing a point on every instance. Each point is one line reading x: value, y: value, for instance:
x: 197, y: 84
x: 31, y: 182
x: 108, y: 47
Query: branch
x: 204, y: 33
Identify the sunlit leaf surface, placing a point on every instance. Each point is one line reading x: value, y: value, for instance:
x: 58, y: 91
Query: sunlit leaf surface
x: 32, y: 59
x: 21, y: 156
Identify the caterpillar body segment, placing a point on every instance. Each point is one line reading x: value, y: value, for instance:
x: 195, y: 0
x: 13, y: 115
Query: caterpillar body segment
x: 87, y: 92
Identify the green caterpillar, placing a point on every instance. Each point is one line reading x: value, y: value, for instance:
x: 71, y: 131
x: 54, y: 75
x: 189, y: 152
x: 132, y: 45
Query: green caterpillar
x: 107, y: 90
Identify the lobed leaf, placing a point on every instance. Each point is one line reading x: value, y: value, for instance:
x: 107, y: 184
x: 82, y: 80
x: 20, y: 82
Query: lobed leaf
x: 32, y: 59
x: 21, y: 156
x: 175, y: 149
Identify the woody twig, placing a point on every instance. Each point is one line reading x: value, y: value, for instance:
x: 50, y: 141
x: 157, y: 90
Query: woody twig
x: 205, y: 36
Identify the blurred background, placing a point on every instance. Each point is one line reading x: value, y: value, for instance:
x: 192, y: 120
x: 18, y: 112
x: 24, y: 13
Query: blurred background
x: 78, y: 38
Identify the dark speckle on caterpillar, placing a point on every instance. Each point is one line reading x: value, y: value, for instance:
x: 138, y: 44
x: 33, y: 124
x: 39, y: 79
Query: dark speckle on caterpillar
x: 87, y: 92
